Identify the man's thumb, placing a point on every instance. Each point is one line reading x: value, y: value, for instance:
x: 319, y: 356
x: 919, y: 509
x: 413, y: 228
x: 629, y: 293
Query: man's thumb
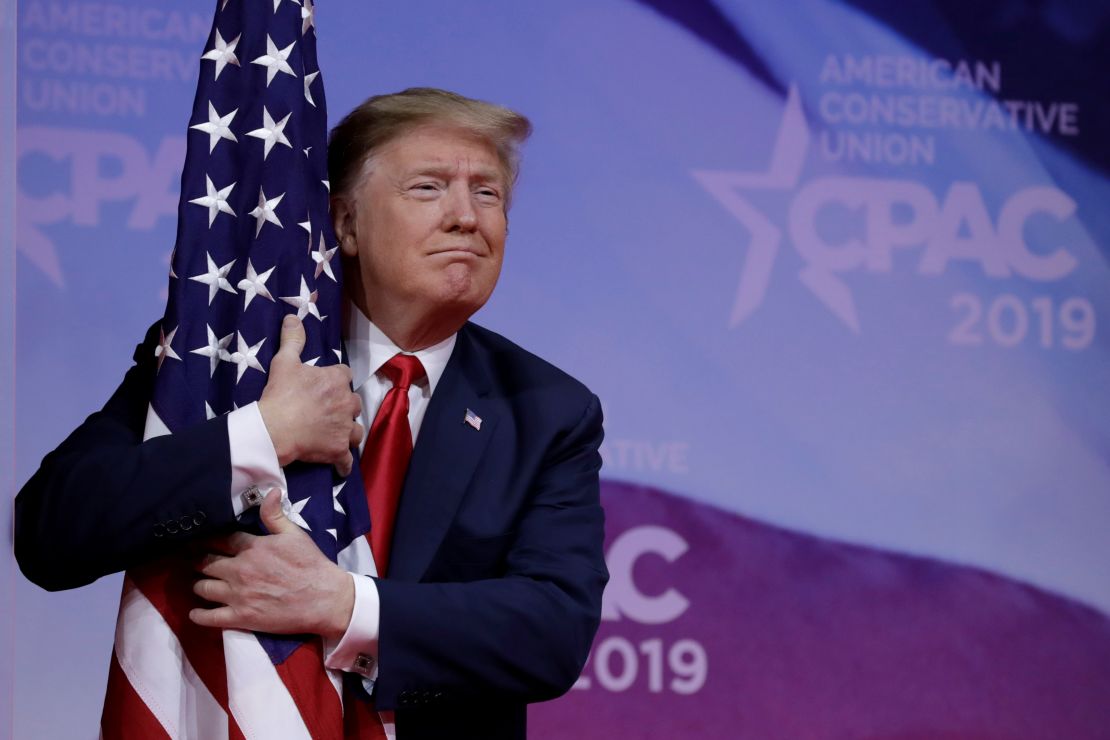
x: 273, y: 518
x: 292, y: 337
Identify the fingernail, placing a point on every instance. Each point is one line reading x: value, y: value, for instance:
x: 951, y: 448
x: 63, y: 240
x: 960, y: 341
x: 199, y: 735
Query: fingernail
x: 289, y: 321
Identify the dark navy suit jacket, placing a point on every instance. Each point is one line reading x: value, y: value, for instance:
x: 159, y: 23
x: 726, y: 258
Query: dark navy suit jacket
x: 494, y: 589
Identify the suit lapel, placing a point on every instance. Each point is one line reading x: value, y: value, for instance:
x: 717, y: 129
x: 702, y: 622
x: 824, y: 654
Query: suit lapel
x: 446, y: 454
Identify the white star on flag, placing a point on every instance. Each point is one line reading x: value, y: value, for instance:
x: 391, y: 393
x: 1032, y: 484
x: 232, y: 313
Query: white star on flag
x: 217, y: 127
x: 208, y: 412
x: 271, y: 133
x: 294, y: 513
x: 222, y: 53
x: 215, y: 350
x: 275, y: 60
x: 215, y: 278
x: 245, y: 356
x: 265, y: 211
x: 305, y: 303
x: 165, y: 346
x: 308, y: 80
x: 335, y: 497
x: 307, y: 226
x: 254, y: 284
x: 215, y: 201
x: 322, y: 257
x: 308, y: 16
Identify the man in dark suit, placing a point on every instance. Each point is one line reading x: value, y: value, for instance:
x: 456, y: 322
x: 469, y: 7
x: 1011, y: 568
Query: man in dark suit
x: 493, y: 589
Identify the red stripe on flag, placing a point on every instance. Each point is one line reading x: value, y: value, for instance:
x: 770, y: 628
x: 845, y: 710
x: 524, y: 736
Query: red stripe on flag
x: 360, y: 720
x: 318, y: 702
x: 126, y: 716
x: 168, y: 586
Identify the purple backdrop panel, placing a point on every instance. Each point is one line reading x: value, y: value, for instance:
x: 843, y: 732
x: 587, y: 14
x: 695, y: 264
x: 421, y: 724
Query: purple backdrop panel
x: 718, y: 626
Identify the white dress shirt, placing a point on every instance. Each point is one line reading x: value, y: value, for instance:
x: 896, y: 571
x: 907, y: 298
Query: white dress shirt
x: 254, y: 463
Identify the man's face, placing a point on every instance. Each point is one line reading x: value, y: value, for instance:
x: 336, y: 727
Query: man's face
x: 427, y: 225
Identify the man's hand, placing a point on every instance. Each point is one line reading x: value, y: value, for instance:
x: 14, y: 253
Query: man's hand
x: 279, y: 583
x: 309, y: 411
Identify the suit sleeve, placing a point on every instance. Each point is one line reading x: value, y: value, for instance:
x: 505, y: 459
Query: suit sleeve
x: 522, y: 637
x: 105, y: 500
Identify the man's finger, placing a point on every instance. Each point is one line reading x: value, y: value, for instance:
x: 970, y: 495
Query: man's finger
x: 213, y: 564
x: 272, y: 516
x: 221, y: 616
x: 209, y: 589
x: 344, y: 466
x: 356, y: 434
x: 292, y: 338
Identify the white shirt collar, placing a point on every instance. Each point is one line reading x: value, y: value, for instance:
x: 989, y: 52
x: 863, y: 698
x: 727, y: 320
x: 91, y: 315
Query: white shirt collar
x: 368, y: 348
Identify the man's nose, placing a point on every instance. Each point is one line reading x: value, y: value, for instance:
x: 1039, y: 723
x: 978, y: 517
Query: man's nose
x: 458, y: 212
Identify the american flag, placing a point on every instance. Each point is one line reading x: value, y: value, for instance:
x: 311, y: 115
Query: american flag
x: 254, y: 242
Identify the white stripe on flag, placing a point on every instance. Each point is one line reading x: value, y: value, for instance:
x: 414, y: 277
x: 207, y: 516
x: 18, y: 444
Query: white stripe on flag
x: 259, y: 701
x: 357, y: 558
x: 162, y: 677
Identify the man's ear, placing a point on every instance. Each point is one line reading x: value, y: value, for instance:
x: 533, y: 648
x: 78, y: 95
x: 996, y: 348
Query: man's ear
x: 343, y: 218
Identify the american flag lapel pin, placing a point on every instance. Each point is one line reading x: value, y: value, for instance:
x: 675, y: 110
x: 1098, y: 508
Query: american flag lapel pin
x: 473, y: 420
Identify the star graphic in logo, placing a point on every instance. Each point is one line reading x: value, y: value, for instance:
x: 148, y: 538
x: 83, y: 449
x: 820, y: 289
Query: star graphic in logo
x: 788, y: 158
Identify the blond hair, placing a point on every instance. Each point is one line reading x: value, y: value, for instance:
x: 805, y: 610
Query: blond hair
x: 382, y: 118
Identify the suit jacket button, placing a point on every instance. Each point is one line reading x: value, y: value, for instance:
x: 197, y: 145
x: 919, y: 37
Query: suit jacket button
x: 199, y: 517
x: 159, y: 530
x: 186, y: 523
x: 171, y: 527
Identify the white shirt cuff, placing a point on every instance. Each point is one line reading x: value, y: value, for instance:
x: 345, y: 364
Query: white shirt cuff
x: 357, y: 650
x: 254, y: 464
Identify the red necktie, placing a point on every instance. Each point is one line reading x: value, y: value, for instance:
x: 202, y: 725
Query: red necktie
x: 385, y: 456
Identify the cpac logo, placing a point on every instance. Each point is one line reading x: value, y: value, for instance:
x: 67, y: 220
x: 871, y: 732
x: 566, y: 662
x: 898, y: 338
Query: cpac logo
x: 104, y: 167
x: 622, y: 597
x: 955, y: 228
